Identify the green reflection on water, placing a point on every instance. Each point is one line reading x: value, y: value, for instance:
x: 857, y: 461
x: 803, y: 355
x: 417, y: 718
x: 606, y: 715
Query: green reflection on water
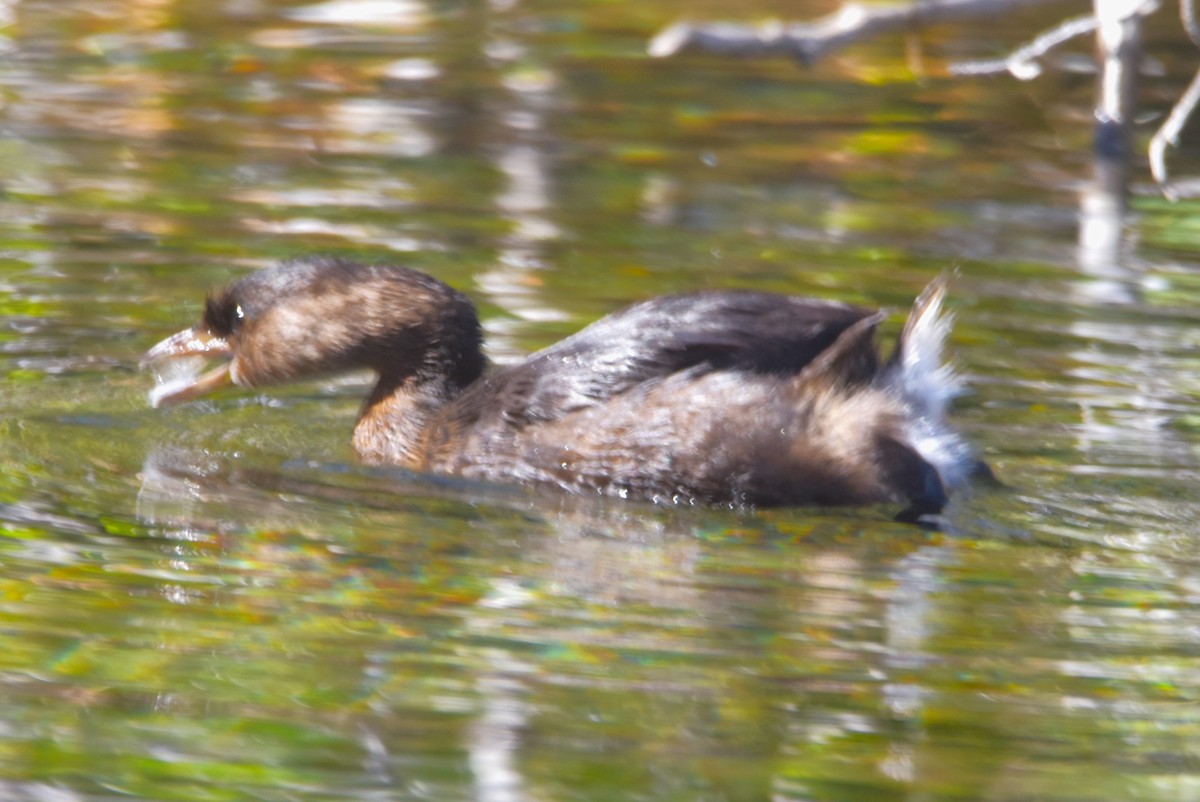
x: 214, y: 602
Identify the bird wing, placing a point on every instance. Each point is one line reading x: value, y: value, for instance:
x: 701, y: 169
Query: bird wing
x: 698, y: 332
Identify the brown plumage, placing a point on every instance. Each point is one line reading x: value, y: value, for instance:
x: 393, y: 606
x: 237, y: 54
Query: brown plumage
x: 738, y: 398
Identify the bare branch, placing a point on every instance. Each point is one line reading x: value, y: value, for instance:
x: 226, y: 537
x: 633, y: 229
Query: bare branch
x: 1168, y: 134
x: 808, y: 42
x: 1022, y: 62
x: 1187, y: 15
x: 1119, y: 52
x: 1115, y: 22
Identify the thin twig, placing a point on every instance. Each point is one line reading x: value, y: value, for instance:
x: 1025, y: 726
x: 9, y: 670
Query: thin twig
x: 1187, y: 15
x: 808, y: 42
x: 1168, y: 134
x: 1022, y: 61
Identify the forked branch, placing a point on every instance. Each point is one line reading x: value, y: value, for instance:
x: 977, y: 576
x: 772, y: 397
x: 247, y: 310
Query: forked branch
x: 1115, y: 22
x: 808, y: 42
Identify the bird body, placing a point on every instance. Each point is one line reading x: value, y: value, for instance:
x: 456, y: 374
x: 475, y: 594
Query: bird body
x: 738, y: 398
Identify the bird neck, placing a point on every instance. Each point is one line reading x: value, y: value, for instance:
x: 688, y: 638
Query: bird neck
x: 395, y: 419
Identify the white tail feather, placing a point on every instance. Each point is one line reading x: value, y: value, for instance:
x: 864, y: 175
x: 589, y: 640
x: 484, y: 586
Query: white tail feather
x: 928, y: 385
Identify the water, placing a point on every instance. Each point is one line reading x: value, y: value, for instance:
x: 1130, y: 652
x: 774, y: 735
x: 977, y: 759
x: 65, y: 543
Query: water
x: 215, y: 602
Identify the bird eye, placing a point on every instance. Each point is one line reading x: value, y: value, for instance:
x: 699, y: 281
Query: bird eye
x: 223, y: 315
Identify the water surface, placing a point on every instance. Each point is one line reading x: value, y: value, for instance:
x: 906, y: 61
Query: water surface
x: 215, y: 602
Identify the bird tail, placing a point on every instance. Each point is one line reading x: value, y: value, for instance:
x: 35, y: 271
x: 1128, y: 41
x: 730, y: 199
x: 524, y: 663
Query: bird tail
x: 926, y: 384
